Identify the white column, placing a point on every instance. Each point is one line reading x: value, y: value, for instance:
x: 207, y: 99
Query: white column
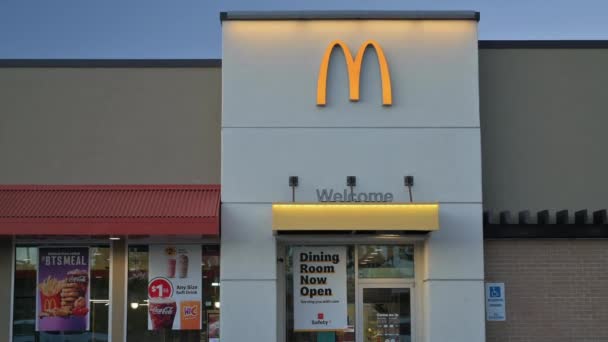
x: 248, y: 277
x: 453, y: 280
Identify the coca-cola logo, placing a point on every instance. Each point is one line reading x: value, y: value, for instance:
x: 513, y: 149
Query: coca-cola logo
x: 167, y: 310
x: 77, y: 279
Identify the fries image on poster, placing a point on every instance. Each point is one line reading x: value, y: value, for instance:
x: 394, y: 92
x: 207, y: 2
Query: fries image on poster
x: 174, y: 287
x: 62, y: 296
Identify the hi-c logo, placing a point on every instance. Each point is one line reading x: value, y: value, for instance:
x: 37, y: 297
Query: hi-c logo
x: 354, y: 72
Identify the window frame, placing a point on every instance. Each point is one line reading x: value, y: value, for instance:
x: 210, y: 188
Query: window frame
x: 55, y: 242
x: 163, y: 240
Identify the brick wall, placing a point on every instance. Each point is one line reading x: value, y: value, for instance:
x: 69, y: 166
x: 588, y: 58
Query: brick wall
x: 556, y: 290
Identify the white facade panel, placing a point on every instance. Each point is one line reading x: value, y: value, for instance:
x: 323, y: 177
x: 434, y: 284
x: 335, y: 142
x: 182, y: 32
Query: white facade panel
x: 249, y: 310
x: 454, y: 311
x: 446, y: 163
x: 273, y: 129
x: 248, y: 246
x: 270, y: 69
x: 456, y: 250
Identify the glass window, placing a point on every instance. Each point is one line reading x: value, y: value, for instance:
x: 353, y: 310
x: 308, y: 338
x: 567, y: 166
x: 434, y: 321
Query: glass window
x: 384, y: 312
x: 137, y: 312
x: 24, y: 308
x: 387, y: 261
x: 346, y: 336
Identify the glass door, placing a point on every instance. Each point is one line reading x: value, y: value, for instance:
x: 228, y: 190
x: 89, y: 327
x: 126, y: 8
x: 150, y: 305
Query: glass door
x: 384, y: 313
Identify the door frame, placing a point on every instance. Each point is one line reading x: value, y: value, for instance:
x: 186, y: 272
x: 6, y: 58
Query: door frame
x: 384, y: 283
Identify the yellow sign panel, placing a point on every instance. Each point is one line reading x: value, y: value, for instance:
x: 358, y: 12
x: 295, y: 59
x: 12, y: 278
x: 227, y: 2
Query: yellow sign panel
x: 354, y: 71
x: 355, y: 216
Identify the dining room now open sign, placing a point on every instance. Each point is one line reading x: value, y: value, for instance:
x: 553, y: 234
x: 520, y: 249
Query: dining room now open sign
x: 319, y: 283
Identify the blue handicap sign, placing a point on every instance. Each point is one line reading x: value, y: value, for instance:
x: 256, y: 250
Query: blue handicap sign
x: 495, y: 292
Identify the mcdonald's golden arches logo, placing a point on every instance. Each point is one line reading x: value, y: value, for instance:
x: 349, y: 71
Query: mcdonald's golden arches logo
x: 354, y: 72
x: 49, y: 304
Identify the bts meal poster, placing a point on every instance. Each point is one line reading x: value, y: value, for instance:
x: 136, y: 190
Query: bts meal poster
x: 62, y: 296
x: 174, y: 287
x: 319, y: 283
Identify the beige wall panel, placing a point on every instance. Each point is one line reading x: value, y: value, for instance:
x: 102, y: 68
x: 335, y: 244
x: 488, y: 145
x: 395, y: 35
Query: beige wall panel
x: 543, y: 128
x: 110, y: 125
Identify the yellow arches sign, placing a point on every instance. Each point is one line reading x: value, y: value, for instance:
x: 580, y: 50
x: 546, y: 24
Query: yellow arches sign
x: 354, y: 72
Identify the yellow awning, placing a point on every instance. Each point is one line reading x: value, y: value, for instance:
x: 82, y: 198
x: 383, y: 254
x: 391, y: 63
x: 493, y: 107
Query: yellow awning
x: 355, y: 216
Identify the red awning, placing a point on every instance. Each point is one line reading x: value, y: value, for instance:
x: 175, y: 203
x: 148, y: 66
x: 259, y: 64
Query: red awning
x: 109, y: 209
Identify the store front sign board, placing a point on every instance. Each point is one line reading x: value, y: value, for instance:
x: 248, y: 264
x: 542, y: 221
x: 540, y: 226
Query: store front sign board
x: 353, y: 66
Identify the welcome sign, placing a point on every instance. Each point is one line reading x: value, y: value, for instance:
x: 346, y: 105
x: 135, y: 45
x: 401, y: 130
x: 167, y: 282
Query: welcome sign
x: 319, y: 283
x: 330, y: 195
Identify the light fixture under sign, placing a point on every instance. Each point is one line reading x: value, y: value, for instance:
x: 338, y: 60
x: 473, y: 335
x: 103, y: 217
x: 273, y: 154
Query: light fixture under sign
x: 355, y: 216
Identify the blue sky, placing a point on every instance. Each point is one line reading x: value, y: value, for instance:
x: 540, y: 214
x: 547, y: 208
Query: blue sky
x: 191, y: 28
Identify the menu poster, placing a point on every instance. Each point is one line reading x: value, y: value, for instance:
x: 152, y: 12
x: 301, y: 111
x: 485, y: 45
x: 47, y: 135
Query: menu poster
x: 319, y: 283
x: 174, y: 287
x: 62, y: 296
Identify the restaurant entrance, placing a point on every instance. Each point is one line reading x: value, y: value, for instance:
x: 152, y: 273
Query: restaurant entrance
x: 379, y: 282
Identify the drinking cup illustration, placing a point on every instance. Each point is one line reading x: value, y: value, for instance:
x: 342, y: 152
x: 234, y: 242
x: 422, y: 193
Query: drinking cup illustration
x: 182, y: 261
x: 171, y: 261
x: 162, y: 313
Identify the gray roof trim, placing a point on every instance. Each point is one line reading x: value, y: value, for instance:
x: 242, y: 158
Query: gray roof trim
x: 543, y: 44
x: 216, y: 63
x: 350, y: 15
x: 110, y: 63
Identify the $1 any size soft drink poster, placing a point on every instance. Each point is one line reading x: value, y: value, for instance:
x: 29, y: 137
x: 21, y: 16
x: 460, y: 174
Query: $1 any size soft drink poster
x: 174, y: 287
